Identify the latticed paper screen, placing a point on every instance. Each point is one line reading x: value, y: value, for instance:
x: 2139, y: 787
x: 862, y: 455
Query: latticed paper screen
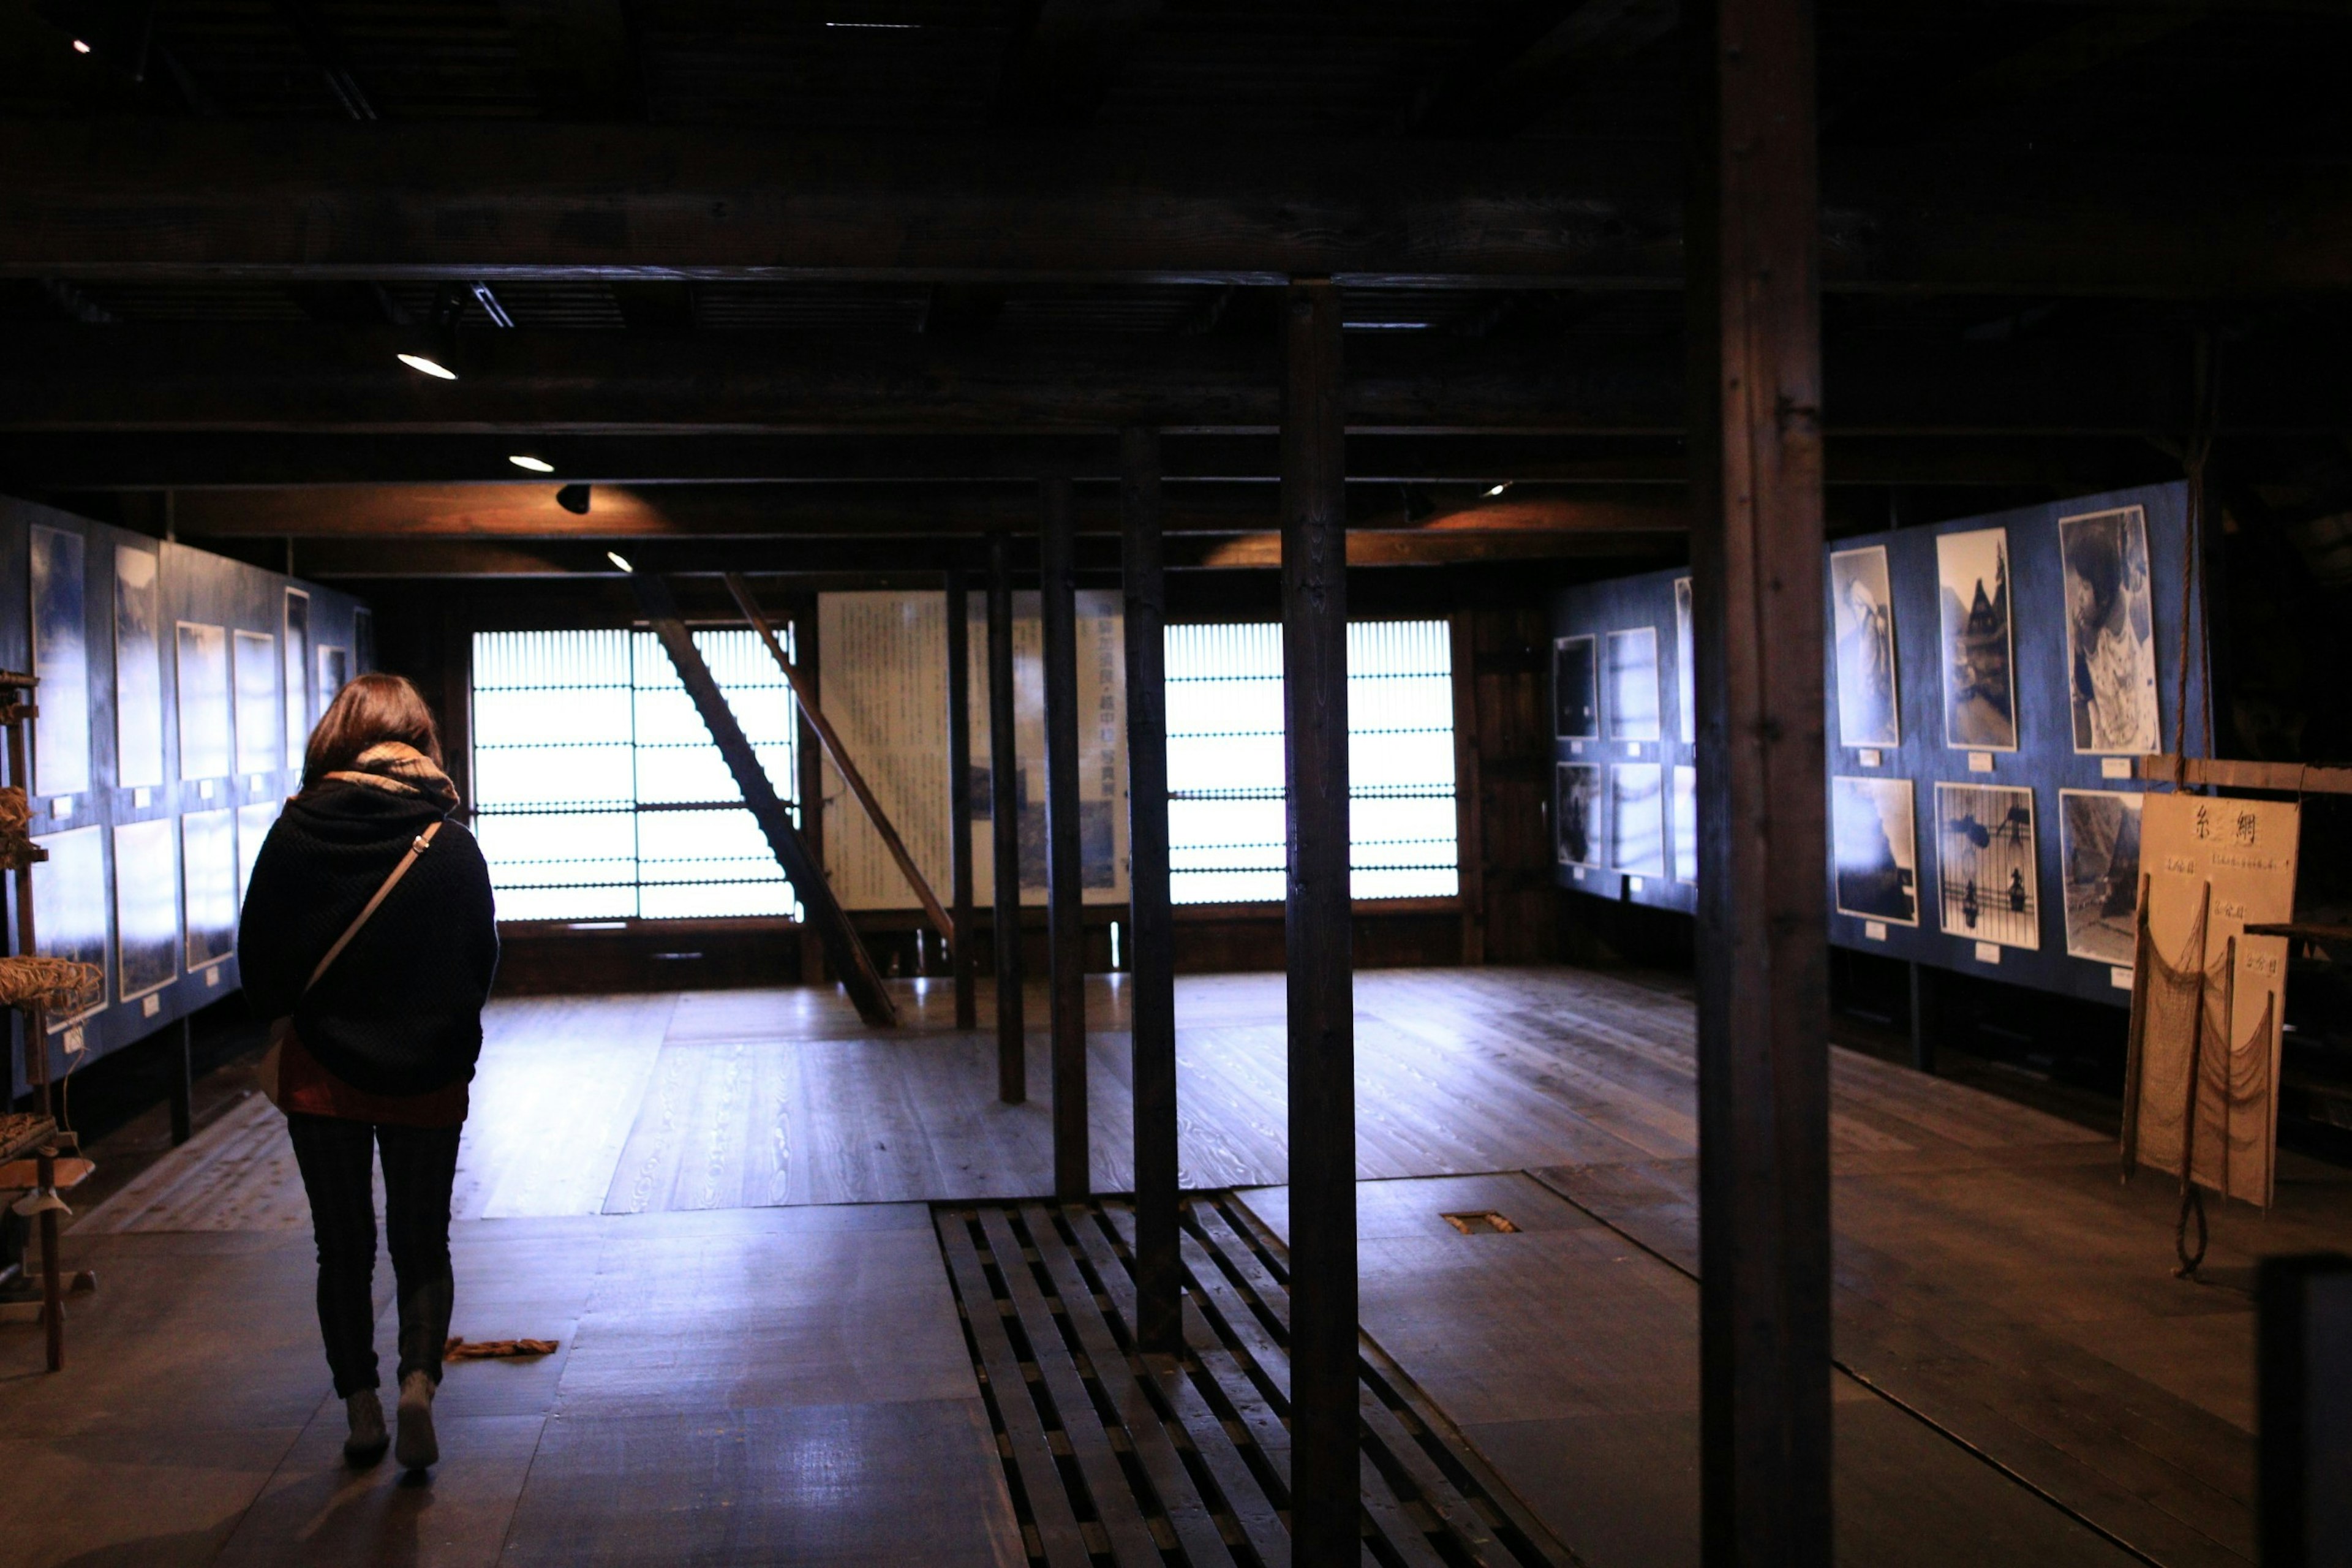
x: 598, y: 793
x: 1225, y: 761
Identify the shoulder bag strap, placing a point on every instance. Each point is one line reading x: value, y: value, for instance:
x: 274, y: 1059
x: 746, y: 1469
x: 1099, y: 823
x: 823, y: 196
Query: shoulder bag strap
x: 422, y: 842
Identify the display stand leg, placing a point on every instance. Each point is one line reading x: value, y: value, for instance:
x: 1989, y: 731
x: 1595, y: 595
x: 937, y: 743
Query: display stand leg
x: 53, y: 1311
x: 184, y: 1082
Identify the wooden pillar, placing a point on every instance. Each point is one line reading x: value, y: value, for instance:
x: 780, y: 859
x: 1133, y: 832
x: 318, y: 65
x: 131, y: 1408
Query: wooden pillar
x: 1469, y: 791
x: 1926, y: 1016
x: 967, y: 1006
x: 1066, y: 933
x: 809, y: 656
x: 1151, y: 989
x: 1005, y: 817
x: 179, y: 1044
x: 1324, y: 1486
x: 2302, y: 1357
x: 1754, y: 315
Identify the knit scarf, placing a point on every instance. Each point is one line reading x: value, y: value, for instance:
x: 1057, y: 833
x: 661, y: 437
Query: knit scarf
x: 398, y: 768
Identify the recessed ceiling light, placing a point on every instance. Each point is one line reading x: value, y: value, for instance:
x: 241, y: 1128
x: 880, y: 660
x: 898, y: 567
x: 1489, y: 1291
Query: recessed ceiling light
x: 1498, y: 489
x: 430, y: 367
x: 891, y: 26
x: 80, y: 48
x: 1385, y: 326
x: 536, y: 465
x: 617, y: 559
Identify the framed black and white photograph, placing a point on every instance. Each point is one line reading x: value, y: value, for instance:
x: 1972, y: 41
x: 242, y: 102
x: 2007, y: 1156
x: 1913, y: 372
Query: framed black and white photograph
x: 1684, y: 808
x: 1985, y: 881
x: 1862, y: 608
x: 1637, y: 827
x: 296, y: 648
x: 205, y: 737
x: 146, y: 906
x: 1980, y: 685
x: 1633, y: 661
x: 1686, y: 665
x: 208, y: 877
x: 60, y: 628
x: 138, y: 668
x: 259, y: 725
x: 1875, y: 850
x: 334, y: 674
x: 2110, y: 633
x: 1576, y: 703
x: 1577, y: 808
x: 69, y: 905
x: 2098, y: 845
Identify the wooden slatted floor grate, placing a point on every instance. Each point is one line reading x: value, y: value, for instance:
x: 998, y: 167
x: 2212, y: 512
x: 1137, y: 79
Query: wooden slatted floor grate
x: 1133, y: 1460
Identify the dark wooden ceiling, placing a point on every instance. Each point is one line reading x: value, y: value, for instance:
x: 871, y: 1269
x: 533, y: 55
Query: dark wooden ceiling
x: 936, y: 248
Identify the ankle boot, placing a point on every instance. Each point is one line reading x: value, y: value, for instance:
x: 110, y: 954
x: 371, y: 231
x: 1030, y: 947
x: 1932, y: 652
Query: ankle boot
x: 367, y: 1442
x: 417, y: 1448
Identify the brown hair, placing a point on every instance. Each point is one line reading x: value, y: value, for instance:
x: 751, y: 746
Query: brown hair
x: 371, y: 709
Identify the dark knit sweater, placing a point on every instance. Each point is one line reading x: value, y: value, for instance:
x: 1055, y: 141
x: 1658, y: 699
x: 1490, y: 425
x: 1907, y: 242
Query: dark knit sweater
x: 400, y: 1010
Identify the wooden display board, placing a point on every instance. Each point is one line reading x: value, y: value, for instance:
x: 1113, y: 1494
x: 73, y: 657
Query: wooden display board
x: 1991, y: 683
x: 150, y: 846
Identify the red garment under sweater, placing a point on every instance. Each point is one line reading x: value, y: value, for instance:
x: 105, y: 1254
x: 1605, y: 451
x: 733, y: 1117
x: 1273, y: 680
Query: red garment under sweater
x: 305, y: 1086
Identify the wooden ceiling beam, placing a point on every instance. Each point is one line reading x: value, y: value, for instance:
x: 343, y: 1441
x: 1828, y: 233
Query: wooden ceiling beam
x: 58, y: 377
x: 853, y: 512
x: 187, y: 462
x: 446, y: 199
x: 431, y: 558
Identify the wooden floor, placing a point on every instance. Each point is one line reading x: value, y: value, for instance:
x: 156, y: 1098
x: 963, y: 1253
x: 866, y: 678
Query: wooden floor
x: 715, y: 1200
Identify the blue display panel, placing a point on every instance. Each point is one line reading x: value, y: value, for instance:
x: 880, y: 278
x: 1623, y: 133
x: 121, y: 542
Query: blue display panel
x: 1988, y: 684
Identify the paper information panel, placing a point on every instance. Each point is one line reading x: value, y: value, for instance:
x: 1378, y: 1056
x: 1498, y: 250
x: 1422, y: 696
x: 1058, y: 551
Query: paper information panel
x: 881, y: 655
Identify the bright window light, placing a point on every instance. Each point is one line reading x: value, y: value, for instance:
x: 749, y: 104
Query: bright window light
x: 534, y: 464
x: 430, y: 367
x: 598, y: 794
x: 1226, y: 785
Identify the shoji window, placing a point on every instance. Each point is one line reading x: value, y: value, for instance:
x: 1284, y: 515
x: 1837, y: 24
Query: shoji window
x: 598, y: 794
x: 1225, y: 766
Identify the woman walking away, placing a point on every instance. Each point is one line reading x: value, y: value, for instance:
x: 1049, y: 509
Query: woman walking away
x: 369, y: 938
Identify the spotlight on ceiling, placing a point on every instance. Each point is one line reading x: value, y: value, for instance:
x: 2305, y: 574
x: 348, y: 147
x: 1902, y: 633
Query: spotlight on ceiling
x: 80, y: 48
x: 617, y: 559
x: 1493, y: 491
x: 573, y: 498
x: 536, y: 465
x: 430, y: 367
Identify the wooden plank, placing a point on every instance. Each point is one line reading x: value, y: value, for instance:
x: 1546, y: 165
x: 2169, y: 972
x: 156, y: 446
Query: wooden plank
x: 1318, y: 930
x: 960, y: 879
x: 1004, y: 826
x: 842, y: 946
x: 1033, y: 1457
x: 1753, y: 225
x: 1260, y: 1525
x: 1065, y: 936
x: 1152, y: 1002
x: 2224, y: 773
x: 804, y: 693
x: 1130, y: 1541
x: 1180, y: 1501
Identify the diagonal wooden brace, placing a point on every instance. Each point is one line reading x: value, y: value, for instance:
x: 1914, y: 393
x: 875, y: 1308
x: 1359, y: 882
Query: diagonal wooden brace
x: 842, y: 947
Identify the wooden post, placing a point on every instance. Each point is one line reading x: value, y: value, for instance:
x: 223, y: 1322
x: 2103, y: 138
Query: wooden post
x: 180, y: 1044
x: 1324, y: 1503
x: 1926, y: 1015
x: 1066, y: 931
x: 1150, y: 922
x: 1753, y: 226
x: 842, y: 947
x: 967, y: 1006
x: 811, y: 752
x: 1004, y: 821
x: 2302, y: 1357
x: 1469, y: 791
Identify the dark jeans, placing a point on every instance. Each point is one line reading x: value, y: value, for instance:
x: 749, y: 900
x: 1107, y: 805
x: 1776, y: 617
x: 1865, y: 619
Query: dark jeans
x: 420, y: 1166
